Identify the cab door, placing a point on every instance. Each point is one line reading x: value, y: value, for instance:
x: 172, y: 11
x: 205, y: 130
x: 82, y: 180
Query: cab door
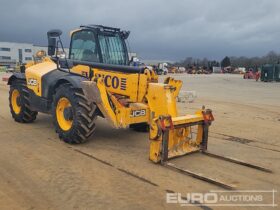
x: 84, y: 47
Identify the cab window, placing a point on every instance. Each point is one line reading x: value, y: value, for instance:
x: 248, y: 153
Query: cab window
x: 83, y: 47
x: 112, y: 49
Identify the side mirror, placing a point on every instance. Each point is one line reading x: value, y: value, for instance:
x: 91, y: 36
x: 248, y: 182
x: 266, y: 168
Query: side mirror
x: 51, y: 46
x: 52, y: 35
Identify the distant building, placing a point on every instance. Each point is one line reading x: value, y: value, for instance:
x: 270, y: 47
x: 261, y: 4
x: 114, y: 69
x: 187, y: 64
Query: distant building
x: 14, y: 52
x: 131, y: 54
x: 217, y: 69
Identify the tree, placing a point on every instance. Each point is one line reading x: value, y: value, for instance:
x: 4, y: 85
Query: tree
x: 225, y: 62
x: 272, y: 57
x: 204, y: 63
x: 242, y: 61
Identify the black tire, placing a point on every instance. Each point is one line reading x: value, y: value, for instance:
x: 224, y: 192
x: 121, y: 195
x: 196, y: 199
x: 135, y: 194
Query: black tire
x: 140, y: 127
x: 26, y: 115
x: 84, y: 115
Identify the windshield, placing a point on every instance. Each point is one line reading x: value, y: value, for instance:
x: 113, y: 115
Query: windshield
x: 113, y: 50
x: 83, y: 47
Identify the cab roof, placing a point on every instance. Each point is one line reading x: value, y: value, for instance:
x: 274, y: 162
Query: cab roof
x: 101, y: 28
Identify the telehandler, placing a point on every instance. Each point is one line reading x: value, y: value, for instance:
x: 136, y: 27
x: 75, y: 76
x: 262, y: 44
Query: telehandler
x: 96, y: 79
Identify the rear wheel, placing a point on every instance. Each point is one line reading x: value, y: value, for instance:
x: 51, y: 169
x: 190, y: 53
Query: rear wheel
x: 73, y: 116
x: 20, y: 103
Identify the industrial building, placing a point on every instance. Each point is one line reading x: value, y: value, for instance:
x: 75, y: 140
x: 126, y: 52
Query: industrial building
x: 12, y: 53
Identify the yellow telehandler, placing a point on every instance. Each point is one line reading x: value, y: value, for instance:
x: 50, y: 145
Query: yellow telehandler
x: 96, y: 79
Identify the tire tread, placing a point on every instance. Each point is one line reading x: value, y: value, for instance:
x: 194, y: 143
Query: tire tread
x: 84, y: 124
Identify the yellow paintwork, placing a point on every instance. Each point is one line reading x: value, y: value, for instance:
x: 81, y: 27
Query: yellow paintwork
x: 30, y: 63
x: 123, y: 114
x: 158, y: 99
x: 145, y: 93
x: 187, y: 119
x: 14, y: 98
x: 60, y: 107
x: 120, y: 117
x: 145, y: 100
x: 125, y: 99
x: 162, y: 102
x: 104, y: 104
x: 39, y: 57
x: 161, y: 99
x: 131, y: 81
x: 73, y: 31
x: 177, y: 84
x: 183, y: 136
x: 35, y: 73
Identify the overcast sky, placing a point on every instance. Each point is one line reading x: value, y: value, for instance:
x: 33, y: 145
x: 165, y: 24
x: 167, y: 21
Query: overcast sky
x: 160, y: 29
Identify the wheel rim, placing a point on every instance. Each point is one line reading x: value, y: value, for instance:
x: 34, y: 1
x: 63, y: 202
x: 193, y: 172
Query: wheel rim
x: 62, y: 104
x: 15, y: 101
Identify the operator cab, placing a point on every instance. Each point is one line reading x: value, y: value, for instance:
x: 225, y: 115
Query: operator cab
x: 95, y: 43
x: 95, y: 46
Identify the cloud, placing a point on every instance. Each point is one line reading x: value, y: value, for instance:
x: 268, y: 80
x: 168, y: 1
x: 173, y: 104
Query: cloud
x: 160, y: 29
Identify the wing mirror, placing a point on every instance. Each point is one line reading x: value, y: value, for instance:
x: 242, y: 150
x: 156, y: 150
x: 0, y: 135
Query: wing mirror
x: 52, y: 42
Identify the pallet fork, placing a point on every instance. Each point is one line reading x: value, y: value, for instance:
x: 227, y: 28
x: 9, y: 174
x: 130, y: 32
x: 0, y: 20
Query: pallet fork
x: 202, y: 150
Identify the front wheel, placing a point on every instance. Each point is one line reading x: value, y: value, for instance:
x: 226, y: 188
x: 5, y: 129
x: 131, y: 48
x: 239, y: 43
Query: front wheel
x: 73, y: 116
x: 19, y: 103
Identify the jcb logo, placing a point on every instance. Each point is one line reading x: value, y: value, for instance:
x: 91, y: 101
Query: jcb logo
x: 113, y: 81
x: 138, y: 113
x: 32, y: 82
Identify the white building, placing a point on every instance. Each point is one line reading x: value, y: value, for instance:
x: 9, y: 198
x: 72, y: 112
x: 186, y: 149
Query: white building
x: 13, y: 52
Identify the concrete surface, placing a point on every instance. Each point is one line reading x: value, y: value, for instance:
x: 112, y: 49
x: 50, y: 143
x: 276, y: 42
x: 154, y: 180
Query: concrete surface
x: 112, y: 170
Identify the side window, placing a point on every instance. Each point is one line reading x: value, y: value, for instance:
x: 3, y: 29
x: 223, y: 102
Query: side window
x: 84, y: 47
x: 112, y: 50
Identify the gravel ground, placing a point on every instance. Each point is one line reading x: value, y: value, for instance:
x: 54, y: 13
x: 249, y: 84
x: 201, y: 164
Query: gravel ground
x: 112, y: 170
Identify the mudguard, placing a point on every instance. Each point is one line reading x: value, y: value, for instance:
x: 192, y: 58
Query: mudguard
x: 15, y: 76
x: 53, y: 79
